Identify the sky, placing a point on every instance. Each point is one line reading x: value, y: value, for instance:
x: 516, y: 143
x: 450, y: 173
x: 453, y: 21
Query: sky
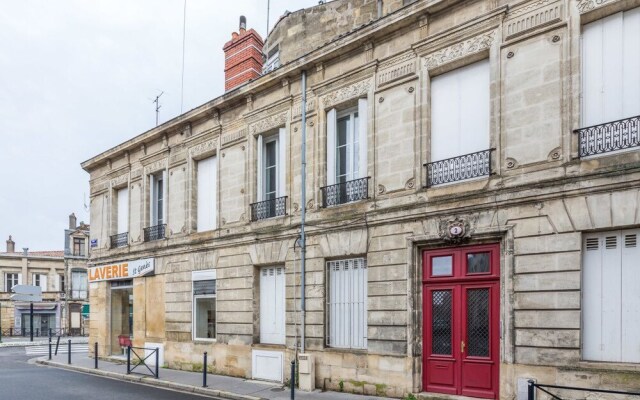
x: 78, y: 77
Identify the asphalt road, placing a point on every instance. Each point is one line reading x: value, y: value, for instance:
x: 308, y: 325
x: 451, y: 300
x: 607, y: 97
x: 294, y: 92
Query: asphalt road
x: 20, y: 380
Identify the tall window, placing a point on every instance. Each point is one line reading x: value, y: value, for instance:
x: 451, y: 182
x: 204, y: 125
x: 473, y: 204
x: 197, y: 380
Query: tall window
x: 78, y: 247
x: 610, y: 68
x: 204, y: 304
x: 206, y: 196
x: 40, y: 280
x: 460, y: 111
x: 272, y: 305
x: 347, y: 144
x: 11, y: 280
x: 79, y: 284
x: 610, y: 296
x: 61, y: 282
x: 348, y: 303
x: 271, y: 165
x: 157, y: 198
x: 123, y: 210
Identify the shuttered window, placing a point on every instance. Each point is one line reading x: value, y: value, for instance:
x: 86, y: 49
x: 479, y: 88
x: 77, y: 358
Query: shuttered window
x: 272, y: 305
x: 40, y: 280
x: 460, y: 105
x: 206, y: 194
x: 610, y: 296
x: 347, y: 304
x: 347, y: 144
x: 272, y: 166
x: 158, y: 198
x: 610, y: 65
x: 123, y: 210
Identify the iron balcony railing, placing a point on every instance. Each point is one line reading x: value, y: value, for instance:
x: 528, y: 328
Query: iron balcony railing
x: 119, y: 240
x: 154, y: 232
x: 345, y: 192
x: 608, y: 137
x: 269, y: 208
x: 557, y: 392
x: 468, y: 166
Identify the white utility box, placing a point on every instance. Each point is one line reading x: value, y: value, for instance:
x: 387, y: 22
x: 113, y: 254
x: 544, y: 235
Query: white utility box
x: 306, y: 372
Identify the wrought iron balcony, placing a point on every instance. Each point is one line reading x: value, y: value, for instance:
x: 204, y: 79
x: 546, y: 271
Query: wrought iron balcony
x: 345, y: 192
x: 608, y: 137
x: 154, y: 232
x: 119, y: 240
x: 459, y: 168
x: 269, y: 208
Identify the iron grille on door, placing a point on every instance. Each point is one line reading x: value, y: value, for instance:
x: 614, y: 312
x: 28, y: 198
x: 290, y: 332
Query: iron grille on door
x: 347, y: 304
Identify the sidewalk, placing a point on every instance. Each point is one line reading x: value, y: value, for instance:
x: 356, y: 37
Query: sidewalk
x: 20, y: 341
x: 191, y: 382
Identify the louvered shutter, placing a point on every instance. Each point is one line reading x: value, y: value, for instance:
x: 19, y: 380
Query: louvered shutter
x: 123, y: 210
x: 363, y: 122
x: 206, y: 194
x: 347, y: 304
x: 272, y: 302
x: 630, y: 293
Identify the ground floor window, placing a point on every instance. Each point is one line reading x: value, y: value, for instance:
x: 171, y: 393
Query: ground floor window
x: 348, y: 303
x: 121, y: 315
x: 272, y: 305
x: 42, y: 322
x: 204, y: 304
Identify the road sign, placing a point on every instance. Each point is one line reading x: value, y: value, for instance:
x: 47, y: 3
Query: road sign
x: 27, y: 289
x: 26, y: 297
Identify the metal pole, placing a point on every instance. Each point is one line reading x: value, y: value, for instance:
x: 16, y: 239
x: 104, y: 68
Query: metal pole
x: 303, y: 213
x: 31, y: 320
x: 50, y: 348
x: 57, y: 345
x: 95, y: 355
x: 128, y: 360
x: 69, y: 352
x: 293, y: 379
x: 157, y: 362
x: 531, y: 390
x: 0, y: 322
x: 204, y: 370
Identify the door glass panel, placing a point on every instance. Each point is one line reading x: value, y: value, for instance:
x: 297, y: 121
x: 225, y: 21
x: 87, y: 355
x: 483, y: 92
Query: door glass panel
x: 478, y: 322
x: 477, y: 263
x: 441, y: 322
x: 442, y: 266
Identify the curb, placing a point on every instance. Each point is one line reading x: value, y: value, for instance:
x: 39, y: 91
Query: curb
x: 181, y: 387
x: 38, y: 343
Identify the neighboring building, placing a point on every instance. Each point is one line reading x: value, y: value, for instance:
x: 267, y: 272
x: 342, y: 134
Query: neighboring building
x: 76, y: 286
x: 40, y: 268
x: 472, y: 188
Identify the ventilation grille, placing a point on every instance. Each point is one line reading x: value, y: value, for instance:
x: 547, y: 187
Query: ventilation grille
x: 630, y: 240
x: 592, y: 244
x: 611, y: 242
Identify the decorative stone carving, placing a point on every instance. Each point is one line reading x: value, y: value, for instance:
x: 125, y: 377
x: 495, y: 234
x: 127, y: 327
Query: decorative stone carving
x: 119, y: 180
x: 555, y: 154
x: 136, y: 173
x: 411, y: 183
x: 381, y: 189
x: 296, y: 110
x: 396, y: 72
x: 204, y: 147
x: 347, y: 93
x: 511, y: 163
x: 268, y: 123
x: 232, y: 137
x: 155, y: 166
x: 534, y: 15
x: 368, y: 51
x: 460, y: 50
x: 454, y: 231
x: 588, y: 5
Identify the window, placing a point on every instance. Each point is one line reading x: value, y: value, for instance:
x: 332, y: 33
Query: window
x: 158, y: 195
x: 610, y: 68
x: 78, y: 284
x: 61, y: 282
x: 11, y: 280
x: 204, y: 304
x: 206, y: 196
x: 271, y: 176
x: 123, y: 211
x: 78, y: 247
x: 273, y: 60
x: 272, y: 300
x: 348, y: 303
x: 610, y: 296
x: 40, y: 280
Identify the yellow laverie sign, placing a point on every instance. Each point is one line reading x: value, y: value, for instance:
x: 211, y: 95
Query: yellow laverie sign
x: 123, y: 270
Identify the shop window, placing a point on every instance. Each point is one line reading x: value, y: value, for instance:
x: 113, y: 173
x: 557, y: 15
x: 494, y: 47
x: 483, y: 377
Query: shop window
x: 348, y: 303
x: 204, y: 304
x: 121, y: 315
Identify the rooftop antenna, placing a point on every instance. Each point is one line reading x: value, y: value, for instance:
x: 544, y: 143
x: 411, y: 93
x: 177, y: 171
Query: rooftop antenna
x: 184, y: 36
x: 268, y: 8
x: 158, y: 106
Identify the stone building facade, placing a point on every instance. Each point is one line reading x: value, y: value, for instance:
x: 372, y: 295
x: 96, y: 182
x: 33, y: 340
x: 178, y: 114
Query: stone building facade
x: 472, y: 205
x: 76, y: 291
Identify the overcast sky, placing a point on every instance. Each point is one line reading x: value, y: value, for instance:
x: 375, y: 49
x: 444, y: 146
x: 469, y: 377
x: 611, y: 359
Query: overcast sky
x: 78, y: 77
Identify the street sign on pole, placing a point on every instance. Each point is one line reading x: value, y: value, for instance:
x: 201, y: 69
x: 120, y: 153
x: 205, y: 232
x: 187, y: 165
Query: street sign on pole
x: 28, y: 293
x: 27, y: 289
x: 25, y: 297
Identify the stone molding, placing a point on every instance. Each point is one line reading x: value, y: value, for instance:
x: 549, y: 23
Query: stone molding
x: 155, y: 166
x: 588, y: 5
x: 296, y: 110
x: 270, y: 122
x: 232, y: 137
x: 119, y: 180
x: 346, y: 93
x: 202, y: 148
x: 396, y: 72
x: 460, y: 50
x: 532, y: 16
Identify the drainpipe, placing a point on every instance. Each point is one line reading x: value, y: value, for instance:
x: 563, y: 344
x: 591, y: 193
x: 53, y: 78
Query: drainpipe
x: 303, y: 245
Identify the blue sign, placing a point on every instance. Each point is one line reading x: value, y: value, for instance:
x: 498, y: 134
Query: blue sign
x: 94, y: 243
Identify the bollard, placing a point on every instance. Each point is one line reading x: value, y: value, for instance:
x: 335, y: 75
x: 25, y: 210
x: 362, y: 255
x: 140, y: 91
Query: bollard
x: 50, y: 348
x: 157, y: 361
x: 293, y: 379
x: 128, y: 360
x: 530, y: 390
x: 69, y: 352
x: 95, y: 355
x: 204, y: 370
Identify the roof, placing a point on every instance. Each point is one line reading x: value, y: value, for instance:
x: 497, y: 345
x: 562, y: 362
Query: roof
x: 46, y: 253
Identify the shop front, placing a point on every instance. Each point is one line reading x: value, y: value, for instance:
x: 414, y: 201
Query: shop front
x: 45, y: 316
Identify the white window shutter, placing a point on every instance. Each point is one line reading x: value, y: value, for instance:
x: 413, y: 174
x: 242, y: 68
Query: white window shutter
x: 152, y: 203
x: 206, y: 196
x: 43, y: 283
x: 19, y: 280
x: 363, y: 119
x: 282, y: 162
x: 165, y: 199
x: 331, y: 146
x: 630, y: 296
x: 631, y: 63
x: 260, y: 169
x: 58, y: 287
x: 123, y: 210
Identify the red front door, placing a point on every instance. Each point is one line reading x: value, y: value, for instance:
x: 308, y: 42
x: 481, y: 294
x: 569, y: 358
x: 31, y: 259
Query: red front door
x: 461, y: 320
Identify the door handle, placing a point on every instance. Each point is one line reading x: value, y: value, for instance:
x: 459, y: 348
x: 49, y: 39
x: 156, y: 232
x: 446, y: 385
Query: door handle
x: 462, y: 346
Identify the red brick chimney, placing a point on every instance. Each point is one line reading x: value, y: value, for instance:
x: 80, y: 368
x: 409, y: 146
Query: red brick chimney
x: 243, y: 57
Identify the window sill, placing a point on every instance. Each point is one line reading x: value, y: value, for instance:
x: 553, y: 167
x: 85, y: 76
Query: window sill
x: 204, y: 341
x: 346, y: 350
x: 606, y: 366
